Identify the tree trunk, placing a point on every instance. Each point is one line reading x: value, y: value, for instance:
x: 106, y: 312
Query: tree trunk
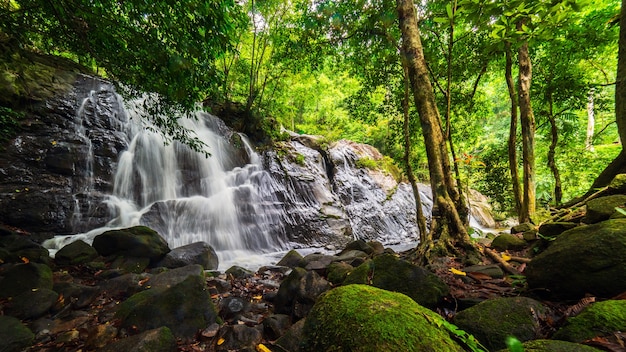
x: 419, y: 213
x: 527, y: 120
x: 512, y: 144
x: 447, y: 227
x: 554, y: 132
x: 591, y: 120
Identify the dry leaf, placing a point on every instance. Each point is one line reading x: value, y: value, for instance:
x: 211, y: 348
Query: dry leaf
x: 220, y: 341
x: 261, y: 348
x: 457, y: 272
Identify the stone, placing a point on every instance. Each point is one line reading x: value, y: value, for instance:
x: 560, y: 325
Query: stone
x: 599, y: 319
x: 602, y: 208
x: 311, y: 286
x: 185, y: 308
x: 22, y: 278
x: 553, y: 229
x: 365, y: 318
x: 584, y: 260
x: 285, y: 297
x: 618, y: 184
x: 350, y: 255
x: 231, y: 308
x: 81, y: 296
x: 138, y: 241
x: 14, y: 336
x: 173, y: 277
x: 292, y: 259
x: 290, y: 341
x: 554, y: 346
x: 239, y: 338
x: 507, y: 241
x: 523, y: 227
x: 388, y: 272
x: 491, y: 321
x: 100, y: 335
x: 156, y: 340
x: 239, y: 272
x: 276, y: 325
x: 359, y: 245
x: 20, y: 246
x: 125, y: 285
x: 492, y: 270
x: 32, y: 304
x: 195, y: 253
x: 77, y: 252
x: 135, y: 265
x: 338, y: 271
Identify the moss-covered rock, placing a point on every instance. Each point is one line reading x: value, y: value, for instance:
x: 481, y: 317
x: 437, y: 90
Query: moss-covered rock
x: 184, y: 308
x: 32, y: 304
x: 599, y: 319
x: 553, y: 229
x: 393, y: 274
x: 14, y: 336
x: 586, y: 259
x: 156, y: 340
x: 618, y: 184
x: 77, y: 252
x: 602, y: 208
x: 338, y: 271
x: 507, y: 241
x: 25, y: 277
x: 493, y: 320
x: 292, y: 259
x: 362, y: 318
x: 137, y: 241
x: 554, y: 346
x: 523, y: 227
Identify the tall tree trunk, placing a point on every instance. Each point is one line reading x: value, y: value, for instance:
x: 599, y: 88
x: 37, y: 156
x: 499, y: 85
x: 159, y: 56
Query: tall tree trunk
x: 512, y: 143
x: 527, y: 120
x: 419, y: 212
x: 446, y: 225
x: 591, y: 120
x: 554, y: 132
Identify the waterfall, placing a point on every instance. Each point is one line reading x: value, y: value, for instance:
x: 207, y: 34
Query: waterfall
x: 182, y: 194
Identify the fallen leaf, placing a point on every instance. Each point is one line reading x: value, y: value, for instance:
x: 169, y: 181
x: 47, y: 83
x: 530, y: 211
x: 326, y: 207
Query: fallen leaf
x: 505, y: 257
x: 457, y: 272
x: 25, y: 260
x: 220, y: 341
x: 261, y: 348
x: 479, y: 276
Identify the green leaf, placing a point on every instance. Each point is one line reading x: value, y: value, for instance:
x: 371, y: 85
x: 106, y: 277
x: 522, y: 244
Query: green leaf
x: 449, y: 11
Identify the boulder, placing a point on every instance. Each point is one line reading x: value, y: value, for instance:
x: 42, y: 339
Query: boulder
x: 292, y: 259
x: 22, y: 278
x: 125, y: 285
x: 492, y: 270
x: 173, y: 277
x: 185, y: 308
x: 493, y: 320
x: 523, y: 227
x: 359, y: 245
x: 554, y: 346
x: 618, y: 184
x: 388, y: 272
x: 138, y: 241
x: 553, y: 229
x: 506, y: 241
x: 365, y: 318
x: 155, y: 340
x: 239, y: 338
x: 14, y: 247
x: 81, y: 296
x: 290, y: 341
x: 14, y: 336
x: 32, y: 304
x: 602, y: 208
x: 338, y: 271
x: 586, y: 259
x: 239, y: 272
x: 195, y: 253
x: 599, y: 319
x: 285, y: 297
x: 275, y: 326
x: 77, y: 252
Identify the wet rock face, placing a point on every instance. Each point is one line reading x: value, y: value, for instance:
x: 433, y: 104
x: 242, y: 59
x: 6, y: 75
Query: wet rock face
x: 43, y: 170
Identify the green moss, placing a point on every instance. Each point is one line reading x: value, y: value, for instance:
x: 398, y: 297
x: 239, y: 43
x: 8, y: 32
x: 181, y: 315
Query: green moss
x: 367, y: 163
x: 601, y: 318
x: 554, y: 346
x: 361, y: 318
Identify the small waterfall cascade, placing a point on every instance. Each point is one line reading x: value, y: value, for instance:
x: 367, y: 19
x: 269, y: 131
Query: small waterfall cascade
x: 184, y: 195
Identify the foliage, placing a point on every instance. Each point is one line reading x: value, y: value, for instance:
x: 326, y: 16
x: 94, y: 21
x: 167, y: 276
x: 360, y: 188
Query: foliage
x: 9, y: 122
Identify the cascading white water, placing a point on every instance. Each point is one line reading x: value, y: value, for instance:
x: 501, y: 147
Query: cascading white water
x: 184, y: 195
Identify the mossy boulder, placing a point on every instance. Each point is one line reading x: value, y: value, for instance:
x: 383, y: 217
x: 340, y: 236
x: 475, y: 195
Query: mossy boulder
x: 292, y: 259
x: 599, y: 319
x: 156, y: 340
x: 554, y: 346
x: 362, y: 318
x: 338, y: 271
x: 390, y: 273
x: 14, y: 336
x: 194, y: 253
x: 618, y: 184
x: 553, y: 229
x: 493, y: 320
x: 32, y: 304
x: 25, y: 277
x: 506, y: 241
x: 137, y: 241
x: 603, y: 208
x: 184, y: 308
x: 77, y: 252
x: 586, y: 259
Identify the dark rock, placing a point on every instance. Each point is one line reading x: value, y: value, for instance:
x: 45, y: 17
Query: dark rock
x: 507, y: 241
x: 286, y: 295
x: 77, y: 252
x: 292, y: 259
x: 32, y: 304
x: 338, y: 271
x: 135, y: 265
x: 100, y: 335
x: 311, y: 286
x: 25, y: 277
x: 553, y: 229
x: 20, y: 246
x: 231, y: 308
x: 493, y: 320
x: 185, y: 308
x: 602, y: 208
x: 238, y: 272
x: 393, y: 274
x: 358, y: 245
x: 291, y: 340
x: 377, y: 247
x: 350, y: 255
x: 14, y: 336
x: 584, y: 260
x: 125, y: 285
x: 365, y: 318
x: 195, y: 253
x: 239, y: 338
x: 522, y: 228
x: 493, y: 270
x: 618, y: 184
x: 599, y: 319
x: 217, y: 285
x: 81, y: 295
x: 157, y: 340
x: 173, y: 277
x: 138, y: 241
x: 275, y: 326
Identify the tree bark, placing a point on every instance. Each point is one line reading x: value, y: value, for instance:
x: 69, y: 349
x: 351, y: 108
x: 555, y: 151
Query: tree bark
x: 512, y: 143
x: 591, y: 120
x: 527, y: 120
x: 447, y: 226
x: 554, y: 133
